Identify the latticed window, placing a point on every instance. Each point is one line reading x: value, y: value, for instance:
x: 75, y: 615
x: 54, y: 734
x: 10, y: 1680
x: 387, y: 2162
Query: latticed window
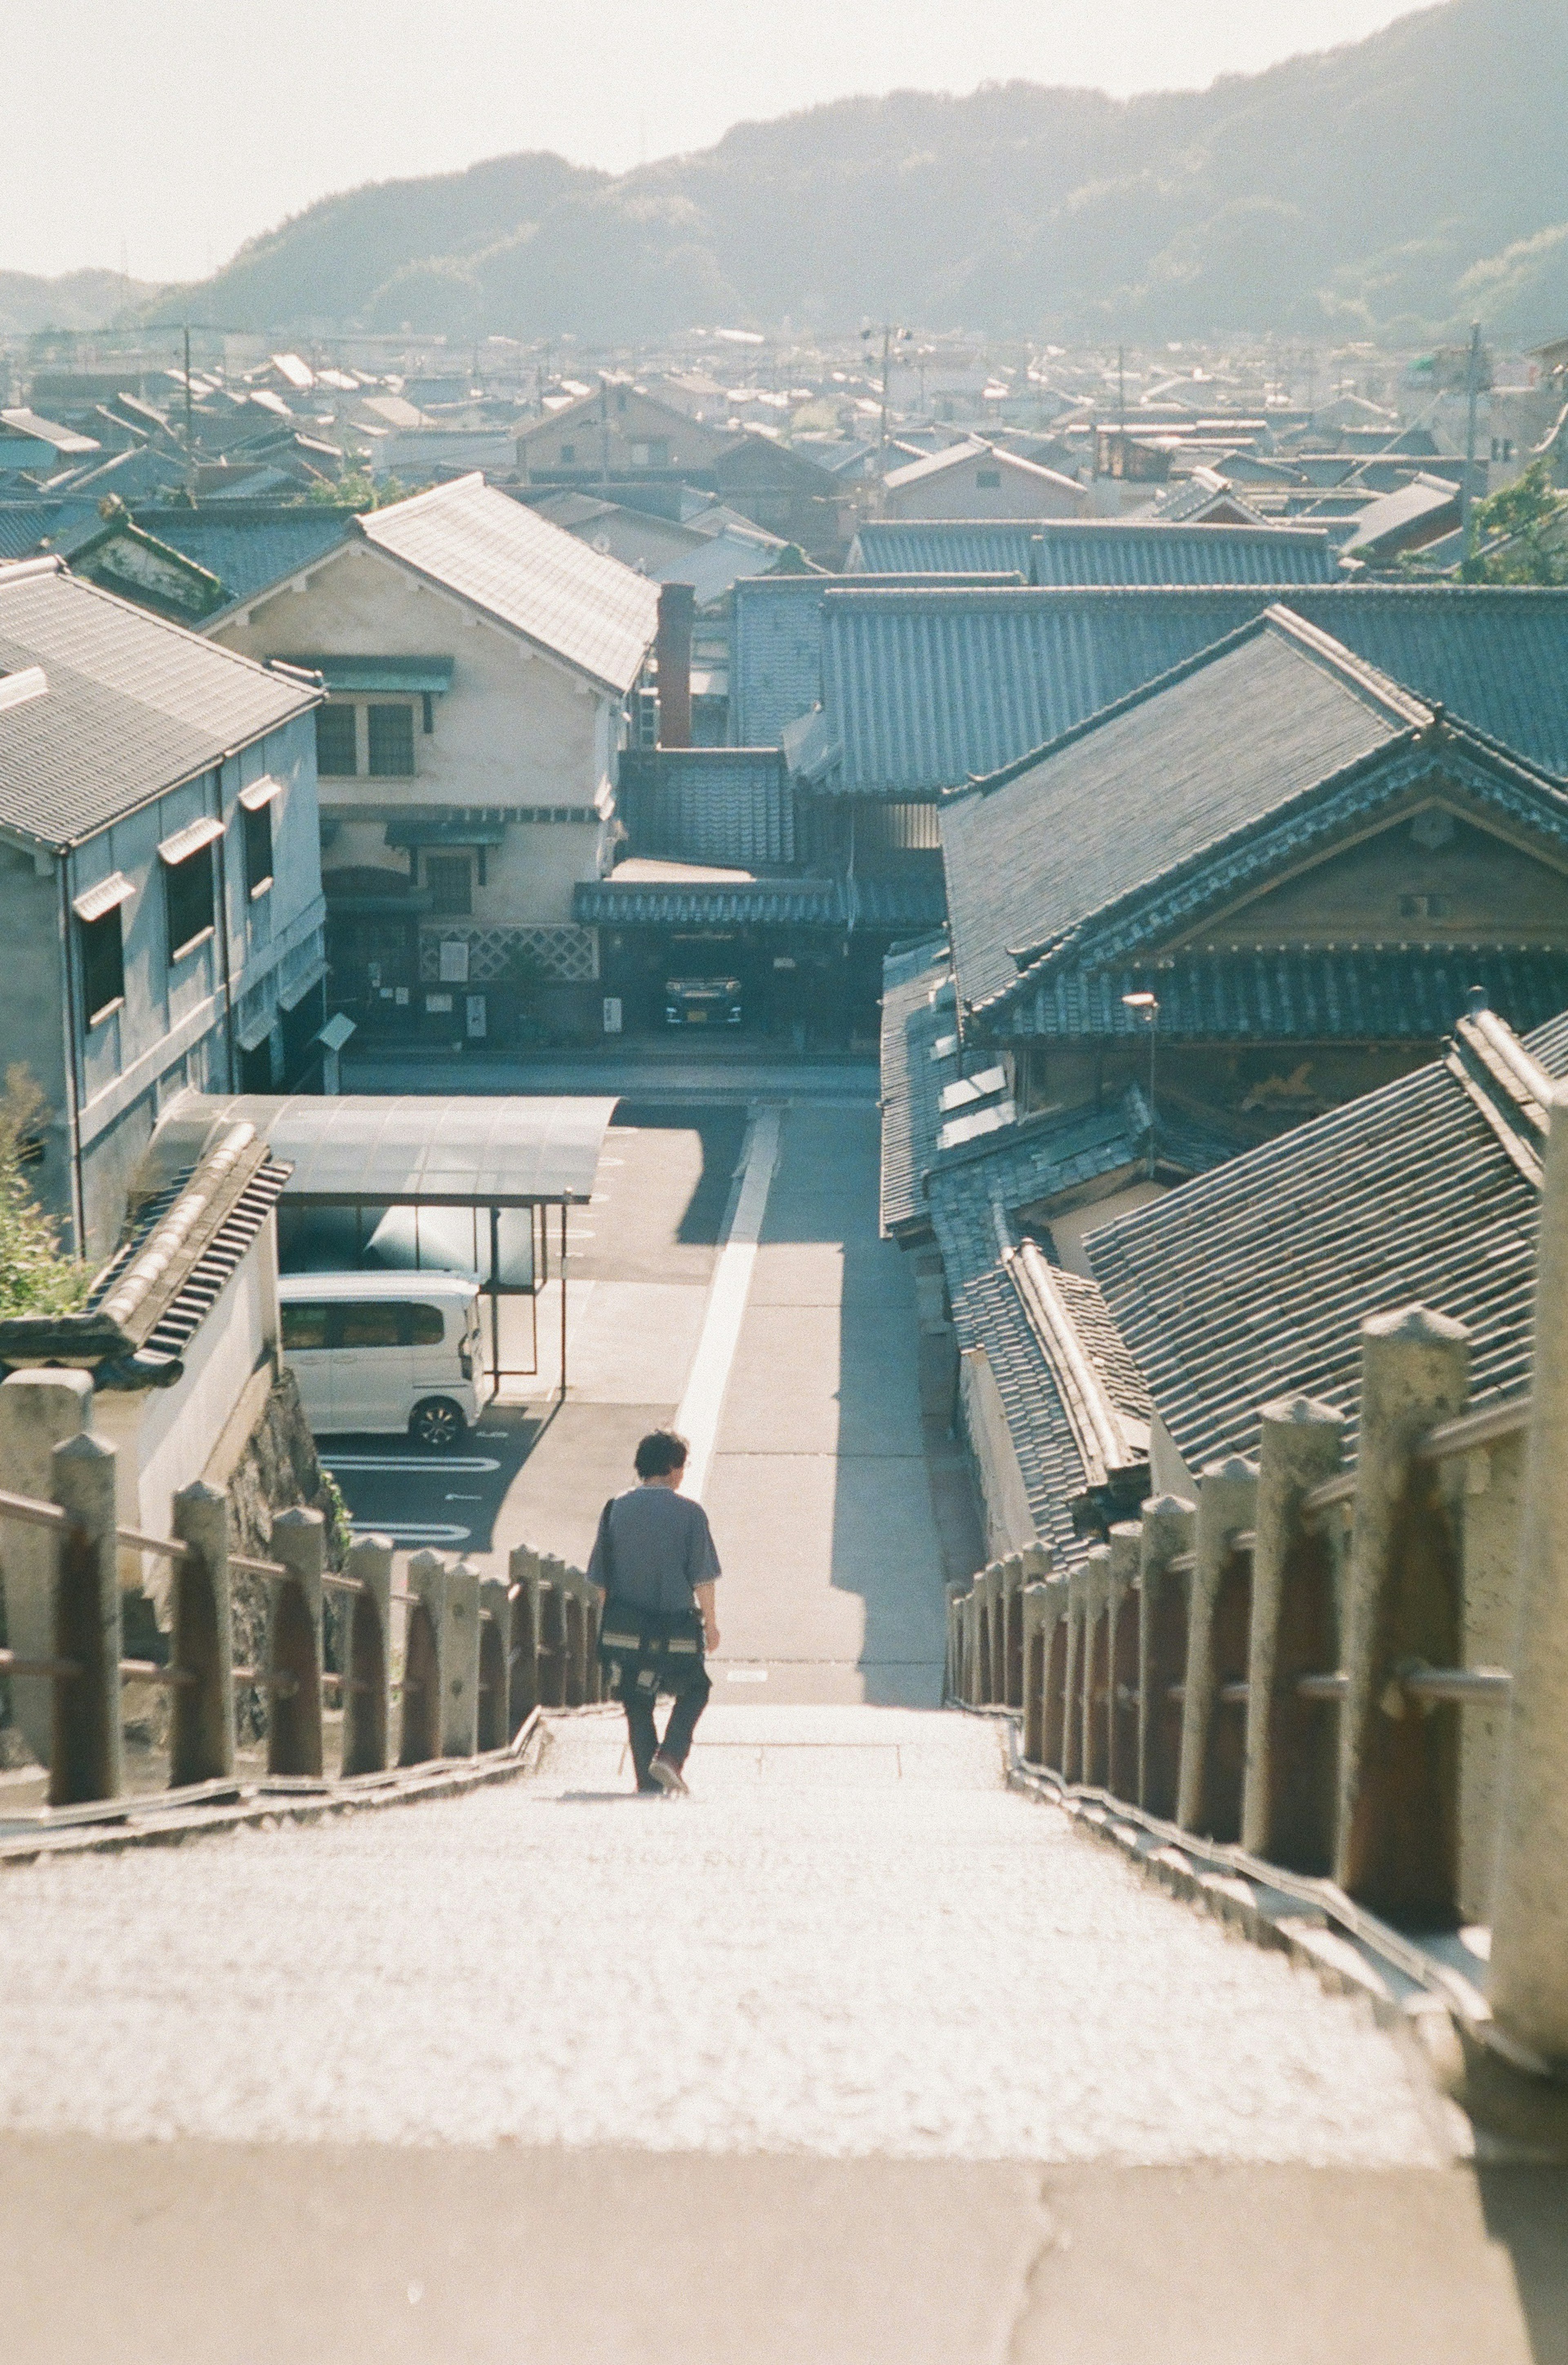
x: 450, y: 877
x: 335, y: 753
x: 391, y: 742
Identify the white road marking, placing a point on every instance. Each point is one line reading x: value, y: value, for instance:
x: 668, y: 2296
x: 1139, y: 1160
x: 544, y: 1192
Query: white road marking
x: 465, y: 1498
x: 746, y: 1674
x: 470, y: 1464
x: 703, y: 1403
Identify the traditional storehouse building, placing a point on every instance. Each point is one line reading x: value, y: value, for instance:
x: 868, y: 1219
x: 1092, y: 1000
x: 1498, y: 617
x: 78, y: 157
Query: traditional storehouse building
x: 160, y: 877
x: 478, y: 663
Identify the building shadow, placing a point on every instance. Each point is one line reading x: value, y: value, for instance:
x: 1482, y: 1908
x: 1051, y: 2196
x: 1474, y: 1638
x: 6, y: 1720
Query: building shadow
x: 1526, y: 2210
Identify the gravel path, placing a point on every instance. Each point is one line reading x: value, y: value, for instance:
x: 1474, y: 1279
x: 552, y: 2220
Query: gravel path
x: 855, y: 1940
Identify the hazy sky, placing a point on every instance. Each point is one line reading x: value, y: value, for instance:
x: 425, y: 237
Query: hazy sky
x: 165, y: 131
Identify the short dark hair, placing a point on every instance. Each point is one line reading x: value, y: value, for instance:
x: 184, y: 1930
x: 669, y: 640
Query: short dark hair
x: 660, y: 1452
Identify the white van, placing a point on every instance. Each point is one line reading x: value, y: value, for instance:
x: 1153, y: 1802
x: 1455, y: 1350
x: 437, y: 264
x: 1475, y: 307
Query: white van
x: 385, y: 1351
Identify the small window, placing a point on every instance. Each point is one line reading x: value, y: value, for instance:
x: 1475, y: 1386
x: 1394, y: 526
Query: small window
x: 568, y: 454
x: 428, y: 1329
x: 1426, y: 907
x: 335, y: 754
x: 187, y: 898
x: 103, y: 963
x: 371, y: 1323
x: 450, y: 877
x: 391, y: 743
x: 303, y: 1325
x: 258, y: 847
x: 987, y: 480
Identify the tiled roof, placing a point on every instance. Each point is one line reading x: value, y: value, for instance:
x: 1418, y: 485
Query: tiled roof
x: 776, y: 645
x: 642, y: 893
x: 708, y: 804
x: 973, y: 1200
x: 27, y: 526
x: 596, y: 614
x: 927, y: 689
x: 1178, y: 768
x: 1112, y: 550
x: 941, y: 546
x: 1253, y: 1281
x: 247, y: 545
x: 133, y: 705
x: 913, y: 1026
x: 1391, y: 994
x: 672, y: 894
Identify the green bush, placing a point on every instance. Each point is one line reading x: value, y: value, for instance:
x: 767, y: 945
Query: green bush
x: 36, y: 1276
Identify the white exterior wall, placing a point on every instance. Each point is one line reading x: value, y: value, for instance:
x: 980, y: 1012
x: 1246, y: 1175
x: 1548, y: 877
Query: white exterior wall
x: 517, y: 728
x: 171, y: 1027
x: 955, y: 493
x: 166, y: 1436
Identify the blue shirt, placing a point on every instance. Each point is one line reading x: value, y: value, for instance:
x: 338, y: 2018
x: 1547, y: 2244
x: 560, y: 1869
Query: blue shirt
x: 660, y: 1549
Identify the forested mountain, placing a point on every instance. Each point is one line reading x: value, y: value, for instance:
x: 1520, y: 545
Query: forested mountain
x: 1393, y: 187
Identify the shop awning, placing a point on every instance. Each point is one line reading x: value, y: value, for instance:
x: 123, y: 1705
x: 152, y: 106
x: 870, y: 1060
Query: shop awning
x: 424, y: 1149
x: 451, y: 829
x: 367, y: 677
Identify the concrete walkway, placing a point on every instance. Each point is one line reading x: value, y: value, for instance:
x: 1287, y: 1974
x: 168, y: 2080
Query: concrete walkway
x: 857, y: 2056
x: 818, y: 1486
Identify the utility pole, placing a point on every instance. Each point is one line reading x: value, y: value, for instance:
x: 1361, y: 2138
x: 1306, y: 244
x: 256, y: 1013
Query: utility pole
x: 190, y: 440
x: 890, y: 334
x: 1473, y: 389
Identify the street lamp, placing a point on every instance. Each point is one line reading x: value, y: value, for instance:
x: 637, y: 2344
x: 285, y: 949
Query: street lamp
x: 1147, y: 1008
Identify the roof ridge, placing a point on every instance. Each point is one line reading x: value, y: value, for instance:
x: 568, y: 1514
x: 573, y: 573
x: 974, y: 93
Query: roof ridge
x: 1368, y: 680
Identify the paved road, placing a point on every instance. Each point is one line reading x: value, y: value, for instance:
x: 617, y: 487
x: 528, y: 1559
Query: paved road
x: 817, y: 1483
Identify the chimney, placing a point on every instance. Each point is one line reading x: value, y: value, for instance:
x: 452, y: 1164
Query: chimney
x: 677, y: 603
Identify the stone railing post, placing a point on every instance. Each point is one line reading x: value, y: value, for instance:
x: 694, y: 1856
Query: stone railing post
x: 522, y: 1644
x: 1095, y: 1730
x: 425, y: 1640
x: 1054, y: 1625
x: 494, y: 1713
x: 1287, y: 1811
x: 39, y: 1410
x: 553, y: 1640
x: 367, y: 1659
x: 1219, y: 1626
x: 1122, y: 1655
x: 1010, y: 1625
x: 201, y: 1733
x: 1165, y: 1535
x: 1072, y: 1676
x: 460, y: 1662
x: 86, y: 1750
x: 988, y: 1585
x: 1528, y: 1983
x: 575, y: 1620
x: 293, y: 1644
x: 1398, y: 1810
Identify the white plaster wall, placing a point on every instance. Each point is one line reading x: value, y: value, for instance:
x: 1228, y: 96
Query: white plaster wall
x: 165, y: 1435
x: 1009, y: 1522
x: 955, y: 493
x: 516, y: 727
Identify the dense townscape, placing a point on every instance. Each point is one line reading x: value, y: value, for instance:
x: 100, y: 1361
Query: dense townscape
x: 957, y: 939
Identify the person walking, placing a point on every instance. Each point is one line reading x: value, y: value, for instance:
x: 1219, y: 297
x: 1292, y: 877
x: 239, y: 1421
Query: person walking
x: 655, y: 1566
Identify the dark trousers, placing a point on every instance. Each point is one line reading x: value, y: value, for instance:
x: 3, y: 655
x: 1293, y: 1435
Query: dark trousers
x: 690, y: 1699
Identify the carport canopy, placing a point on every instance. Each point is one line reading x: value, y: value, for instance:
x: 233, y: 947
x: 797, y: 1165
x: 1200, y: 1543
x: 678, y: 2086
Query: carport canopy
x: 424, y: 1149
